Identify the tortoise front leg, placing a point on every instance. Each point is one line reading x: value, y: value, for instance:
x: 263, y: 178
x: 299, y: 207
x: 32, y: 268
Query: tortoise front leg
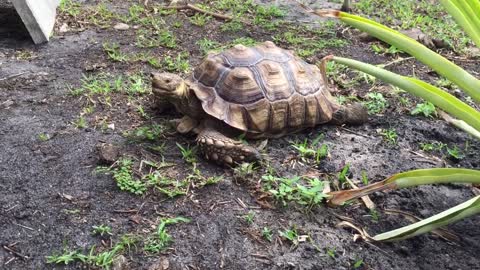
x: 224, y: 150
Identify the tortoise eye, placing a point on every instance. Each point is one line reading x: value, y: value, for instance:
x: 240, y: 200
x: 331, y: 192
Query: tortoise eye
x: 167, y: 80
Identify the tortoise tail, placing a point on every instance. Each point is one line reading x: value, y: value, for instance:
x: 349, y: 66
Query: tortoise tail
x: 354, y: 114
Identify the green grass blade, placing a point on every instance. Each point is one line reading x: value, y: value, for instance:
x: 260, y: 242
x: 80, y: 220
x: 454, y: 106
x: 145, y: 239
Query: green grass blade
x: 465, y: 14
x: 448, y: 69
x: 461, y: 211
x: 438, y: 97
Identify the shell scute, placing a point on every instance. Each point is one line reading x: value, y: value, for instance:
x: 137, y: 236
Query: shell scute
x: 279, y: 116
x: 274, y: 80
x: 296, y: 115
x: 240, y: 80
x: 258, y: 115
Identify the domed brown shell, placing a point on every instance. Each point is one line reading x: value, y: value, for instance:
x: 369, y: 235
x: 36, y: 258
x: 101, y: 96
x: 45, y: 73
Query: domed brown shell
x: 262, y: 89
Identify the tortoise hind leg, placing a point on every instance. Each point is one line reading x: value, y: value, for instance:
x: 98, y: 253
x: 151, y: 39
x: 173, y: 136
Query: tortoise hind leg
x: 224, y: 150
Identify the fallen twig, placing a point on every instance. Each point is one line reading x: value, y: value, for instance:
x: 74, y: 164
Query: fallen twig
x: 356, y: 133
x: 366, y: 199
x: 197, y: 9
x: 25, y: 227
x: 12, y: 76
x: 18, y: 254
x: 432, y: 160
x: 126, y: 211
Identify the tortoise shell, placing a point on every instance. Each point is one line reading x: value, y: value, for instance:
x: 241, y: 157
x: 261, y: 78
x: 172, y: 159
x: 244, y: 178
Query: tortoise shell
x: 262, y: 89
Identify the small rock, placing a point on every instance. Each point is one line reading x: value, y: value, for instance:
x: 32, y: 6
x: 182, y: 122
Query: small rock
x: 473, y: 51
x: 440, y: 43
x: 419, y: 36
x: 7, y: 104
x: 120, y: 263
x: 121, y: 26
x: 64, y: 28
x: 108, y: 153
x: 160, y: 264
x: 365, y: 37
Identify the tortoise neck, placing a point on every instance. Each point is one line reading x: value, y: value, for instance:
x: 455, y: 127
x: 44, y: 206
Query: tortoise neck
x: 188, y: 104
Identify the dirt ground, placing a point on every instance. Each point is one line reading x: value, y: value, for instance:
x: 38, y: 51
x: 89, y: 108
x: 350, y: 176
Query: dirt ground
x: 50, y: 195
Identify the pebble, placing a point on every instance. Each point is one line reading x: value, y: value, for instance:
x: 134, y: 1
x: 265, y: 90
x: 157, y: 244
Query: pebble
x: 121, y: 26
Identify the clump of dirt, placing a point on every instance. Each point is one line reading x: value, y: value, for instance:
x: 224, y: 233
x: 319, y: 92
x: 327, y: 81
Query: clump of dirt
x: 52, y: 195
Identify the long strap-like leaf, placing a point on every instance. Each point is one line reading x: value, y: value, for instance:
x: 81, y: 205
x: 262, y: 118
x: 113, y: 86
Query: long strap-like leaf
x: 440, y: 64
x: 461, y: 211
x: 438, y: 97
x: 467, y: 14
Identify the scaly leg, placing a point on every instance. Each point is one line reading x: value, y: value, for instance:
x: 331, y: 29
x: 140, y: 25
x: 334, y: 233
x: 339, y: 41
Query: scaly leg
x: 224, y: 150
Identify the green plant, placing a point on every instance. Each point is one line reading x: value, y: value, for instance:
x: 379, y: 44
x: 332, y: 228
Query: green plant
x: 390, y: 136
x: 123, y: 175
x: 101, y: 230
x: 244, y: 170
x: 161, y: 239
x: 43, y: 137
x: 232, y: 26
x: 267, y: 234
x: 100, y: 15
x: 375, y: 103
x: 246, y: 41
x: 342, y: 176
x: 149, y: 133
x: 455, y: 152
x: 80, y: 123
x: 158, y: 38
x: 433, y: 146
x: 105, y: 84
x: 103, y: 259
x: 379, y: 49
x: 331, y: 252
x: 70, y: 7
x: 166, y: 185
x: 142, y: 112
x: 206, y: 45
x: 426, y: 108
x: 308, y: 150
x: 291, y: 235
x: 114, y: 53
x: 189, y: 154
x: 404, y: 15
x: 468, y: 117
x: 135, y: 12
x: 177, y: 64
x: 265, y: 16
x: 249, y: 217
x: 375, y: 215
x: 364, y: 178
x: 304, y: 191
x: 199, y: 19
x: 358, y: 263
x: 66, y: 257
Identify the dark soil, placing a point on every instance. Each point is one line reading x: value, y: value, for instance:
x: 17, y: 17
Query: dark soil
x: 50, y: 195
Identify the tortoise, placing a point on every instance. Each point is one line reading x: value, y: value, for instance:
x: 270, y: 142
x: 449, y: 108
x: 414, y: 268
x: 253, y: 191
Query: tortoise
x: 262, y: 91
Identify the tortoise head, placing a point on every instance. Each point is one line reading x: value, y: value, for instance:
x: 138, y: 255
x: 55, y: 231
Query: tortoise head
x: 168, y: 85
